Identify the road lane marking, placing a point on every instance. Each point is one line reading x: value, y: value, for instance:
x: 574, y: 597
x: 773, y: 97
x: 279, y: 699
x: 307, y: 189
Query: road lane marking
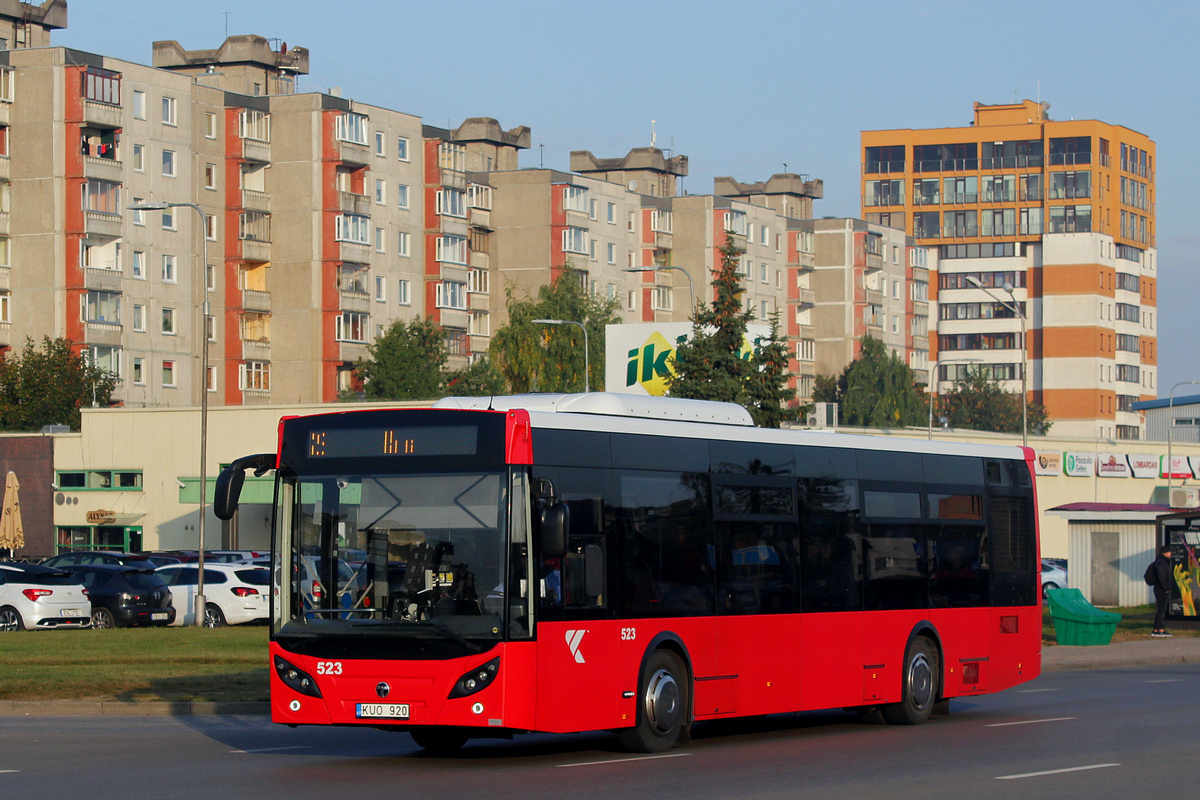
x: 271, y: 749
x: 1166, y: 680
x: 1029, y: 721
x: 623, y: 760
x: 1034, y: 691
x: 3, y: 771
x: 1054, y: 772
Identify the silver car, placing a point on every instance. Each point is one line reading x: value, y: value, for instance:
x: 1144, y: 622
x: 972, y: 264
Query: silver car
x: 33, y: 597
x: 1053, y: 577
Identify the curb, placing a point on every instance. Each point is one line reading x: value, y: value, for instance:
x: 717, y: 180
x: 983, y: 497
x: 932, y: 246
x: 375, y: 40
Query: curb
x: 118, y: 708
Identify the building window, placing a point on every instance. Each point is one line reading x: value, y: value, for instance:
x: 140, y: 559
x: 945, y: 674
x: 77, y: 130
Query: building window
x: 612, y: 214
x: 402, y: 292
x: 380, y: 191
x: 402, y: 195
x: 452, y: 202
x: 168, y: 111
x: 139, y: 265
x: 139, y: 318
x: 351, y: 326
x: 254, y: 125
x: 574, y: 240
x: 168, y: 321
x: 806, y: 350
x: 611, y: 250
x: 352, y: 128
x: 352, y: 228
x: 402, y: 244
x: 100, y: 86
x: 451, y: 249
x: 139, y: 104
x: 575, y: 198
x: 168, y: 269
x: 451, y: 294
x: 479, y: 196
x: 168, y: 219
x: 210, y: 125
x: 210, y: 176
x: 452, y: 156
x: 168, y: 163
x: 379, y: 243
x: 102, y: 197
x: 139, y: 158
x: 5, y: 307
x: 380, y: 289
x: 255, y: 376
x: 106, y: 358
x: 379, y: 143
x: 477, y: 281
x: 353, y: 278
x: 139, y: 372
x: 4, y: 251
x: 1129, y: 373
x: 168, y: 373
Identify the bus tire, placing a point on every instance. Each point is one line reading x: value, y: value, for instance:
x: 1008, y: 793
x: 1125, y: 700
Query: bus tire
x: 439, y: 740
x: 919, y: 685
x: 663, y: 702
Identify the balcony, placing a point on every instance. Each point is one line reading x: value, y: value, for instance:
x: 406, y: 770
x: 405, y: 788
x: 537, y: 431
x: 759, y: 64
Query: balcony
x: 101, y: 115
x: 256, y: 201
x: 5, y: 168
x: 254, y: 150
x: 358, y: 252
x: 254, y: 300
x: 99, y: 223
x: 5, y: 112
x: 353, y: 351
x: 256, y: 349
x: 355, y: 153
x: 105, y: 169
x: 874, y: 297
x: 354, y: 301
x: 807, y: 297
x: 351, y: 203
x: 4, y: 224
x: 454, y: 226
x: 454, y: 179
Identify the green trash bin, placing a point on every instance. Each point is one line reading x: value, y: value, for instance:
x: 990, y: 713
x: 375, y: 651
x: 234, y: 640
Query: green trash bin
x: 1078, y: 622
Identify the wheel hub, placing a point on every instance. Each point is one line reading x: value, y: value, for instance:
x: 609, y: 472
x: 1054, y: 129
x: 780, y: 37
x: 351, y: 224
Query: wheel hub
x: 920, y: 681
x: 662, y: 701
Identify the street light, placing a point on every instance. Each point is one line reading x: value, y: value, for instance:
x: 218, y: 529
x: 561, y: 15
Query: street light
x: 200, y: 605
x: 1015, y: 307
x: 933, y: 381
x: 586, y: 362
x: 686, y: 274
x: 1170, y: 427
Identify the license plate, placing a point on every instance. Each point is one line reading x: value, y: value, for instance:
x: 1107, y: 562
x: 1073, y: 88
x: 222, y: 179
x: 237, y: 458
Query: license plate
x: 159, y: 615
x: 381, y: 710
x: 69, y: 612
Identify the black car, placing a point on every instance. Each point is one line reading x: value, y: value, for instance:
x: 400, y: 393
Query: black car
x: 81, y: 558
x: 123, y: 596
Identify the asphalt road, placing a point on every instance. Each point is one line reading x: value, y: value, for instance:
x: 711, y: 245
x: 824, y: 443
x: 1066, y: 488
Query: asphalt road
x: 1121, y: 733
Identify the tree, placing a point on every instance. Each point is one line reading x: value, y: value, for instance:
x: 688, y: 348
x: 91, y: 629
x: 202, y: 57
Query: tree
x: 875, y: 390
x: 479, y: 379
x: 979, y: 403
x: 47, y: 386
x: 405, y: 363
x: 535, y: 357
x: 715, y: 364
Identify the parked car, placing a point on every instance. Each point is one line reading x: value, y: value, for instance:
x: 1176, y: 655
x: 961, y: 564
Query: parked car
x: 233, y: 593
x: 233, y: 556
x: 1053, y: 576
x: 160, y: 559
x: 35, y: 597
x: 124, y: 596
x: 79, y: 558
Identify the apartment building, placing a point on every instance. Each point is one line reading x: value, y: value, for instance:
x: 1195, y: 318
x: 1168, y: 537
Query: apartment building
x: 1047, y: 266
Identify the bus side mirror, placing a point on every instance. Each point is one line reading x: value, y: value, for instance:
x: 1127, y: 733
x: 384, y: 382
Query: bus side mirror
x: 555, y: 520
x: 229, y: 482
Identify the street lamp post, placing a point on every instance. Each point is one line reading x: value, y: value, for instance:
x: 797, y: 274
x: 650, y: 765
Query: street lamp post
x: 200, y: 605
x: 1015, y: 307
x: 586, y: 362
x: 1171, y: 427
x: 686, y: 274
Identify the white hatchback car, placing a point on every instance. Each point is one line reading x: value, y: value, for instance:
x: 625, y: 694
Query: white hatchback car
x: 233, y: 593
x: 34, y: 597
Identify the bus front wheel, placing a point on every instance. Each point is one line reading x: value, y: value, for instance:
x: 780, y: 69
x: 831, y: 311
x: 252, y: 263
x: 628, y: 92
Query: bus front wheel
x: 919, y: 689
x: 663, y: 703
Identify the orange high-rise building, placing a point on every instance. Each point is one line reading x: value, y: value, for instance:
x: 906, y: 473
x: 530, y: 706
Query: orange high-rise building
x: 1052, y: 221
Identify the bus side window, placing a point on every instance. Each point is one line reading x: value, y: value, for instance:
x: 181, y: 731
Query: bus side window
x: 584, y: 571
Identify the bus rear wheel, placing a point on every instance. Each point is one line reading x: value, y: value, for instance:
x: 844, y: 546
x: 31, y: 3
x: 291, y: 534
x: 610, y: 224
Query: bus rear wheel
x: 663, y: 703
x: 439, y: 741
x: 919, y: 689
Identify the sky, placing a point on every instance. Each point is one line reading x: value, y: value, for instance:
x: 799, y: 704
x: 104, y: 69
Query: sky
x: 741, y: 89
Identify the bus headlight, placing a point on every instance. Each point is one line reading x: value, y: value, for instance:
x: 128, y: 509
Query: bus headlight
x: 295, y: 678
x: 476, y: 679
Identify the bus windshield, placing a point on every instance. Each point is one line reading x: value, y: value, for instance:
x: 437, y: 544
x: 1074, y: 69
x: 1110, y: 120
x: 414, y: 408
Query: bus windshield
x: 420, y: 555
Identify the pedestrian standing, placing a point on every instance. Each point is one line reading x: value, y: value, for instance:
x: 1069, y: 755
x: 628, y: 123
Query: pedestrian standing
x: 1158, y: 575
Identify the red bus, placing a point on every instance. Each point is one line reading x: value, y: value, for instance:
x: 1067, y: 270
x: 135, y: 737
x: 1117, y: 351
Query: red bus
x: 563, y: 563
